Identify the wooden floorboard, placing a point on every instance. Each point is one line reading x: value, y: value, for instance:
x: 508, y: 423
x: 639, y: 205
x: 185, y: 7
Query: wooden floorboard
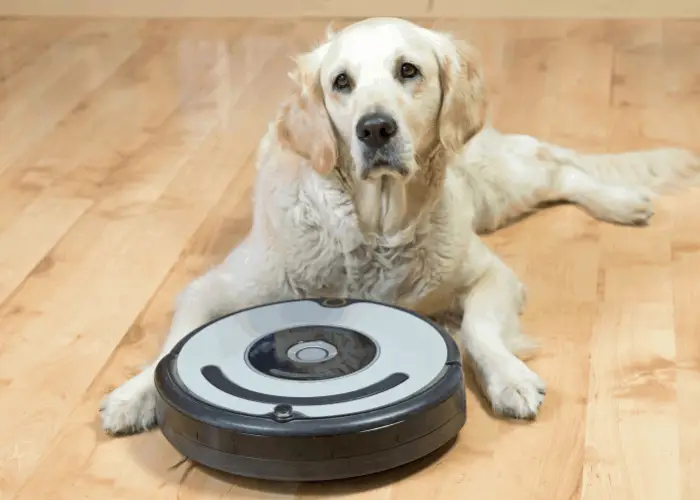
x: 126, y: 165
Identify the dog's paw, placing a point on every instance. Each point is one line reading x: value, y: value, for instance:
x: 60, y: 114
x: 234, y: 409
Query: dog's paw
x: 514, y: 390
x: 628, y: 207
x: 131, y: 408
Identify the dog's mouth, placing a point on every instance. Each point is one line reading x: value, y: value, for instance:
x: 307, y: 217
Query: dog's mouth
x: 379, y: 170
x: 382, y: 163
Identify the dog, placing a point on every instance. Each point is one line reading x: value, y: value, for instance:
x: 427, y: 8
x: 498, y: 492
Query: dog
x: 377, y: 179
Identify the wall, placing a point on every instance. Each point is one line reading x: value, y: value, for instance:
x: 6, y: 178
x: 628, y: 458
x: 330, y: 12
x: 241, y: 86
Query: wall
x: 351, y: 8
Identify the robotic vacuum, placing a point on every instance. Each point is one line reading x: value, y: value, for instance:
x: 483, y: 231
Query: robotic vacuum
x: 312, y: 390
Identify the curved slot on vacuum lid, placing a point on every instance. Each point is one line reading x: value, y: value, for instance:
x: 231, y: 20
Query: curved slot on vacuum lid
x: 216, y: 377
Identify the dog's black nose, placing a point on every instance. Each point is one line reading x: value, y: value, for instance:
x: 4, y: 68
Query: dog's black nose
x: 375, y: 129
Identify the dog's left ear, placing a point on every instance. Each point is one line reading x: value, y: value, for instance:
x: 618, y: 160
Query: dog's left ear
x: 464, y: 101
x: 303, y: 125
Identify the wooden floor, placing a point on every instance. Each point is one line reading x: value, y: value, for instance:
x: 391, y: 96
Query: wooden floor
x: 126, y: 162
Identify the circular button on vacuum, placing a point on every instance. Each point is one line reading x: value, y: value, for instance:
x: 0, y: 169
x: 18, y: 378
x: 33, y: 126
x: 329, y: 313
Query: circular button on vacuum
x: 282, y: 412
x: 312, y: 352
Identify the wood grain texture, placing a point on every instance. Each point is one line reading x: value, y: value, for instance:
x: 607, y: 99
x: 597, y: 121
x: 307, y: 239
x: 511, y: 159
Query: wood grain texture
x: 126, y: 163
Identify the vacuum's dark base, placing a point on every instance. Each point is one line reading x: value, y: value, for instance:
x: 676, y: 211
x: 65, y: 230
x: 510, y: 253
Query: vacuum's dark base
x: 325, y: 470
x: 312, y: 450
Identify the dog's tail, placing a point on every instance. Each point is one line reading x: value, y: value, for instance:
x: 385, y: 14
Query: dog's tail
x: 658, y: 171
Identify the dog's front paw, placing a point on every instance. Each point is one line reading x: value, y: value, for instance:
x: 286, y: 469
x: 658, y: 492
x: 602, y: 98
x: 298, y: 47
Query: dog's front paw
x: 514, y: 390
x: 131, y: 408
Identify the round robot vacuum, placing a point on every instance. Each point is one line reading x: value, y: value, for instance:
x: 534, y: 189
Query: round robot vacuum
x: 312, y: 390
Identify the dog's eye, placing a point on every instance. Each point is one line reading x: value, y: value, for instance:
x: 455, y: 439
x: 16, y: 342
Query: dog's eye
x: 342, y: 83
x: 408, y: 71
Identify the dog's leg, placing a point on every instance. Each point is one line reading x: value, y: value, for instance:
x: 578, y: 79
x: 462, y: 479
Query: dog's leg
x: 531, y: 172
x: 610, y: 203
x: 490, y: 331
x: 618, y: 187
x: 234, y: 285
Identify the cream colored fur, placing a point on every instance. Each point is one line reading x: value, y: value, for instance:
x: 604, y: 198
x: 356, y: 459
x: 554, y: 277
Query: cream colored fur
x: 319, y: 229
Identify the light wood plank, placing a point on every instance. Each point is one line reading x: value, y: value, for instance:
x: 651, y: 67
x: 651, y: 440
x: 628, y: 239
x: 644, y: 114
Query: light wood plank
x: 32, y: 235
x: 51, y: 87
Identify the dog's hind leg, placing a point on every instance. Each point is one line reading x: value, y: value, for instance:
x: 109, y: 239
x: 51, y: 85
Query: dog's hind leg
x: 618, y: 187
x: 610, y: 203
x: 615, y: 188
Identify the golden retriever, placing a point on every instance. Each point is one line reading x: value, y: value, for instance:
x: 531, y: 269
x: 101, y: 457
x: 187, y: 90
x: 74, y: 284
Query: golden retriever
x: 375, y: 181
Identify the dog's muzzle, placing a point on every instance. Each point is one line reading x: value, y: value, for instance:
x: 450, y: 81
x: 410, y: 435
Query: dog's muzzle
x: 375, y: 132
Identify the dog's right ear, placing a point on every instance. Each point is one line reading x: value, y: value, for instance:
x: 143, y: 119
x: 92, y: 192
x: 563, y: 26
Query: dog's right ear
x: 303, y: 125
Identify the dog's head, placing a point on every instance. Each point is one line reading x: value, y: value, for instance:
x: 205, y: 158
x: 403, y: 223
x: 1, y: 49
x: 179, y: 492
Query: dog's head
x: 387, y: 93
